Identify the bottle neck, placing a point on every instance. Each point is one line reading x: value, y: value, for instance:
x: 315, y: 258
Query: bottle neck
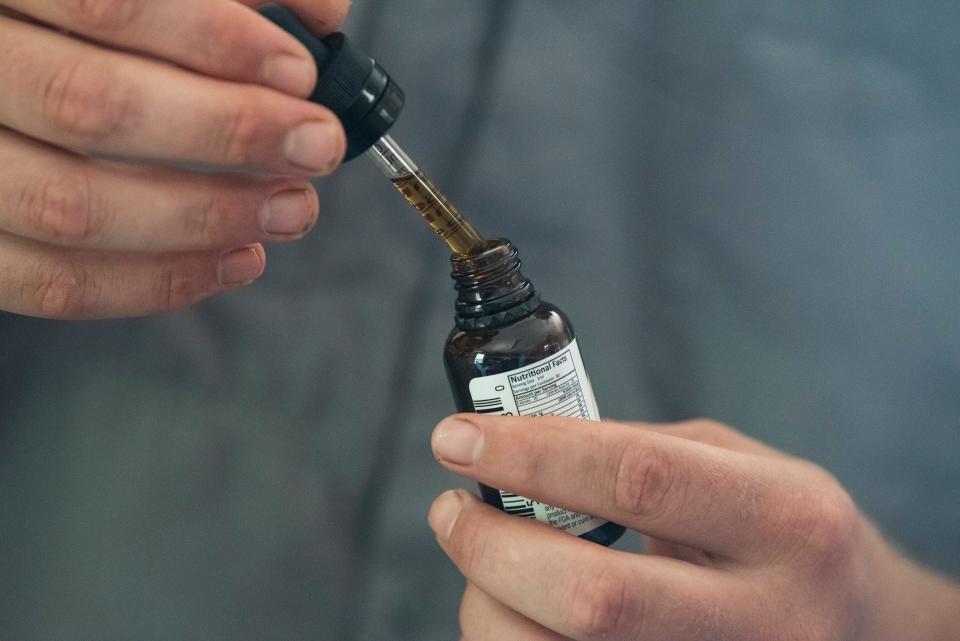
x: 491, y: 291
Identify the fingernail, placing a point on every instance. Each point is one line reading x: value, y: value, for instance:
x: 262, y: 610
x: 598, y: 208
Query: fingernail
x: 290, y: 74
x: 457, y: 441
x: 314, y: 145
x: 240, y: 266
x: 444, y: 513
x: 287, y: 213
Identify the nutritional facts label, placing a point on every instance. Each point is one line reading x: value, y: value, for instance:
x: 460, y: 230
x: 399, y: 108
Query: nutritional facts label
x: 554, y: 391
x: 555, y: 386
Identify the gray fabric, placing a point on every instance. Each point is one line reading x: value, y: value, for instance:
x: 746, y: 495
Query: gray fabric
x: 747, y: 208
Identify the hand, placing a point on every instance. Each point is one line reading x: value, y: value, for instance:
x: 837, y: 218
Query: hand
x: 185, y: 82
x: 745, y: 543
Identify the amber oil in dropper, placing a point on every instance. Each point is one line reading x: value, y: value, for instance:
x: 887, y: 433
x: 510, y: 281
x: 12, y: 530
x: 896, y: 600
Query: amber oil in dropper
x: 435, y: 208
x: 420, y: 192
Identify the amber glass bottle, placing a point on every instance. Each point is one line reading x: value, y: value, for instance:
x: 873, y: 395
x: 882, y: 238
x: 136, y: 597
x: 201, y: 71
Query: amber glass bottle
x: 512, y: 353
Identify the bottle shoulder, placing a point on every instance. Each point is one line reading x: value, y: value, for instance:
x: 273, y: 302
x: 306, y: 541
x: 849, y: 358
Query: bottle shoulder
x: 541, y: 333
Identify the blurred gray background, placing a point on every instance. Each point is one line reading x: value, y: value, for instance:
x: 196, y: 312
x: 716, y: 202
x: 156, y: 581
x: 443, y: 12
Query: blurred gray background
x: 749, y: 210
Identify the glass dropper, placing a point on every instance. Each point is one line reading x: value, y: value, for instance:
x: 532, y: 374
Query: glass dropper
x: 435, y: 208
x: 368, y: 102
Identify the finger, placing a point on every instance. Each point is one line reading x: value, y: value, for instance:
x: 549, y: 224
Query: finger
x: 216, y: 37
x: 65, y: 199
x: 672, y: 488
x: 322, y: 16
x: 50, y: 282
x: 483, y: 618
x: 577, y: 588
x: 79, y: 95
x: 711, y: 433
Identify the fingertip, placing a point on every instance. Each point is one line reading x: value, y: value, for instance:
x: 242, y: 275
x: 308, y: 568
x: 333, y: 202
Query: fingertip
x: 316, y: 146
x: 457, y: 440
x: 242, y: 266
x: 295, y: 75
x: 444, y: 513
x: 340, y: 14
x: 463, y: 417
x: 313, y: 206
x: 323, y: 24
x: 340, y: 147
x: 289, y: 212
x: 261, y: 253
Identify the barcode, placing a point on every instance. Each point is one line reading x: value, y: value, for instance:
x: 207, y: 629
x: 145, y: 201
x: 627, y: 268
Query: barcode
x: 517, y: 505
x: 488, y: 406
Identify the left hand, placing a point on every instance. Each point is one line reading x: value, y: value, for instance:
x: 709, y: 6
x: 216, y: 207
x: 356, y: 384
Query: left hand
x: 112, y: 113
x: 746, y: 543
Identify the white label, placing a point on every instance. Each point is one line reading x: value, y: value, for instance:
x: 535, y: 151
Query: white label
x: 556, y: 386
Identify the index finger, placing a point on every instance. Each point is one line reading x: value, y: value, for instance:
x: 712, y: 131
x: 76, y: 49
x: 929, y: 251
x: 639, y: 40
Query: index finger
x: 717, y: 500
x: 78, y: 95
x: 221, y: 38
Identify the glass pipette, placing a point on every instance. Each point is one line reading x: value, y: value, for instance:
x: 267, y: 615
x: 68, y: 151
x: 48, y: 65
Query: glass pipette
x: 455, y: 230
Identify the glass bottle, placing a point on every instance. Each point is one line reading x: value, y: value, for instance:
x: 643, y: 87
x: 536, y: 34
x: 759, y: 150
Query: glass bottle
x: 512, y: 353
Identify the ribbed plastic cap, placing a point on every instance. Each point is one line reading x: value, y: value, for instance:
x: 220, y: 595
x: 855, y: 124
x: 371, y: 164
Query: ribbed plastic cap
x: 349, y: 82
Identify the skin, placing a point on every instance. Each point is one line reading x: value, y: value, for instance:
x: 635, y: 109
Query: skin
x: 744, y: 543
x: 102, y: 105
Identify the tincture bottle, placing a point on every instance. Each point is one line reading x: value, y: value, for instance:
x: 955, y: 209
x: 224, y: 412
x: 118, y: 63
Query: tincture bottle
x: 513, y: 354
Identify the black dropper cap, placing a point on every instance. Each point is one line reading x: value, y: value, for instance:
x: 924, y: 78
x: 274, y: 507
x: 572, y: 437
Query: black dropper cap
x: 349, y: 82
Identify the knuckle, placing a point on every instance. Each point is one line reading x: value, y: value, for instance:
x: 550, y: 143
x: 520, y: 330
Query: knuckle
x: 821, y: 530
x: 604, y: 605
x: 647, y: 481
x: 173, y: 289
x: 201, y: 223
x: 240, y: 132
x: 711, y: 432
x: 81, y: 99
x: 63, y: 292
x: 101, y: 16
x: 223, y: 35
x: 709, y: 429
x: 62, y: 207
x: 830, y: 525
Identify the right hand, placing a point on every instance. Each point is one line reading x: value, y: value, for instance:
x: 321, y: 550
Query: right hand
x: 744, y: 542
x: 97, y: 95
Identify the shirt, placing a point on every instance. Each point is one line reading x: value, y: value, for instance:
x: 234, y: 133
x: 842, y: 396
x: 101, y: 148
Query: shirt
x: 747, y: 209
